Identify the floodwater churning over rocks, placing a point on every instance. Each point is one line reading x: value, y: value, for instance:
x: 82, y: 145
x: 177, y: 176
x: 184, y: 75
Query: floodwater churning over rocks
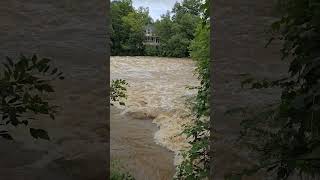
x: 157, y: 92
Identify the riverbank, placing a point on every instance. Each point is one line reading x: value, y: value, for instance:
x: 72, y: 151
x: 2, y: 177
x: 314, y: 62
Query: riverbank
x: 132, y: 144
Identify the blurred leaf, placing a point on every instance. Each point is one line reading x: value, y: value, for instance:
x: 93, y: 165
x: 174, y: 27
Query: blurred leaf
x: 55, y: 70
x: 6, y: 136
x: 39, y: 133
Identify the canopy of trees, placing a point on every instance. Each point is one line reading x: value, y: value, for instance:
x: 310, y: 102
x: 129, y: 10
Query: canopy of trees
x: 176, y: 29
x: 127, y: 29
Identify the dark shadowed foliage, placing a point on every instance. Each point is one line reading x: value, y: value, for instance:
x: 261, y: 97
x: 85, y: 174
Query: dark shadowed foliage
x: 286, y: 135
x: 24, y: 87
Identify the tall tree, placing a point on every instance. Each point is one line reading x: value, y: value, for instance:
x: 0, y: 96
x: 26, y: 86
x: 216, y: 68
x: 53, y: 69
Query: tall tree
x: 177, y: 31
x: 136, y: 22
x: 127, y: 31
x: 119, y: 33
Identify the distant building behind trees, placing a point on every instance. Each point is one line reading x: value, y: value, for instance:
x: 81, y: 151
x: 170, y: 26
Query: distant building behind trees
x: 150, y: 37
x: 134, y: 33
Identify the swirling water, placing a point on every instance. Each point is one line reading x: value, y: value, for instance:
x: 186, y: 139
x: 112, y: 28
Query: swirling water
x: 146, y: 133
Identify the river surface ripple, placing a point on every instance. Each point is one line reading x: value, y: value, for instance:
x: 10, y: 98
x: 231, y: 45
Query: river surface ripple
x: 150, y: 124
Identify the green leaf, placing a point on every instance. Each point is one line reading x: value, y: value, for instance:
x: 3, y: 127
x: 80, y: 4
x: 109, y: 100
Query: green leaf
x: 46, y: 69
x: 55, y: 70
x: 6, y: 136
x: 45, y: 87
x: 44, y: 61
x: 25, y: 122
x: 13, y: 100
x: 39, y: 133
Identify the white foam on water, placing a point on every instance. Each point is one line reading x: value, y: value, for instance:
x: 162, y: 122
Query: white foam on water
x: 157, y: 90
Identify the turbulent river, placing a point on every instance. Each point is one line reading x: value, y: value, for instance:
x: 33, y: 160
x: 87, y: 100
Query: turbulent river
x: 145, y: 134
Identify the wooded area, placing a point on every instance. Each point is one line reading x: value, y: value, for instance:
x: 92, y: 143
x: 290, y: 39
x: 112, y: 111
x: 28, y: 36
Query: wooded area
x: 176, y: 29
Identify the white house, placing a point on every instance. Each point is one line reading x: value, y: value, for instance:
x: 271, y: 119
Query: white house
x: 150, y: 37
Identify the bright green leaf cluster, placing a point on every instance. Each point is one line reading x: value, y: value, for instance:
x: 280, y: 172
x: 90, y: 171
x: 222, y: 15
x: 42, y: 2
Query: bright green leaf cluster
x: 118, y: 91
x: 127, y: 28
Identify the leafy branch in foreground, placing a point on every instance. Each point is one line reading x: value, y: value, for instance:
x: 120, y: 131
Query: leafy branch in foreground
x: 118, y: 91
x: 287, y: 140
x: 196, y: 160
x: 24, y: 84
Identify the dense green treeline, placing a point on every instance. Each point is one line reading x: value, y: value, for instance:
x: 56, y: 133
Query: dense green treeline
x: 176, y: 29
x: 127, y: 29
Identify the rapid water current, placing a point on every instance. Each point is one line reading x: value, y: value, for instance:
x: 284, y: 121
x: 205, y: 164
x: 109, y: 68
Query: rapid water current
x: 146, y: 132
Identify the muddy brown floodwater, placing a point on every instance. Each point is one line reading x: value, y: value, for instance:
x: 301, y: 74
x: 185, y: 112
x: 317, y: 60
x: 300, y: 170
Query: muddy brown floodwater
x: 145, y: 134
